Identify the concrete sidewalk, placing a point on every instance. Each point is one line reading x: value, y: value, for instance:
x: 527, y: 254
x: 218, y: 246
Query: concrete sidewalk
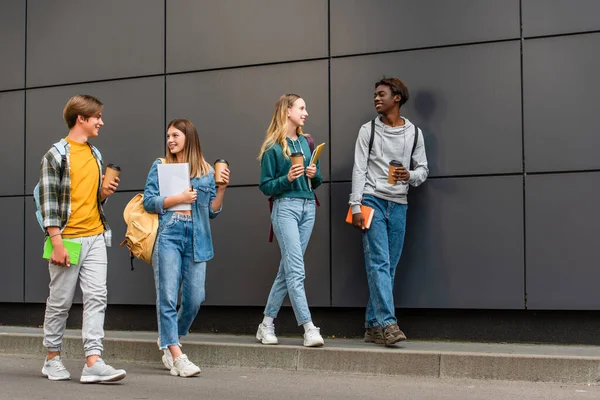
x: 524, y: 362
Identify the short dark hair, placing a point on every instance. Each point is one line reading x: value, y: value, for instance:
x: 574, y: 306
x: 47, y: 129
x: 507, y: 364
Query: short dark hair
x: 396, y: 86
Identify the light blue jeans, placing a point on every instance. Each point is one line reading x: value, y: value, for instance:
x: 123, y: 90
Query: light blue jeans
x: 174, y: 268
x: 293, y: 221
x: 382, y: 245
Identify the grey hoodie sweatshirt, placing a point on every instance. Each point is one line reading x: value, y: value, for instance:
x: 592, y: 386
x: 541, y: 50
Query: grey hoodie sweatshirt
x: 369, y: 175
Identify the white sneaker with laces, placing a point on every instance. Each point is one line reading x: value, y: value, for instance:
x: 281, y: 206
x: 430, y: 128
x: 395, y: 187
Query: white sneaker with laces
x: 183, y: 367
x: 313, y: 338
x: 55, y: 370
x: 266, y: 334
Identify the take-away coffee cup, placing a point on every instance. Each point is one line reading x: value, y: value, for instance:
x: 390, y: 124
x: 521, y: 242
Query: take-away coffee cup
x: 112, y: 171
x: 393, y: 165
x: 220, y: 166
x: 297, y: 158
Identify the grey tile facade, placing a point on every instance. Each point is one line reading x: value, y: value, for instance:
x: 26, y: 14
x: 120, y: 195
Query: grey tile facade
x: 507, y: 115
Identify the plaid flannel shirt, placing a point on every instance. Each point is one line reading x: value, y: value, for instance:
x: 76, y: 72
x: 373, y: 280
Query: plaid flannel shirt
x: 55, y: 198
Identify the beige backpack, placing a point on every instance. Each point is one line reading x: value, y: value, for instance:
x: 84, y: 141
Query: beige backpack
x: 142, y: 228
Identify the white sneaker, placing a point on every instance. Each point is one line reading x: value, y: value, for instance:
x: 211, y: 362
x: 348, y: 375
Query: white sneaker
x: 55, y: 370
x: 184, y: 367
x: 313, y: 338
x: 167, y: 357
x: 266, y: 334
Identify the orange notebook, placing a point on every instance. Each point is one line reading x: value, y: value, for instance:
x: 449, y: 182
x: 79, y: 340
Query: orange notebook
x: 367, y: 212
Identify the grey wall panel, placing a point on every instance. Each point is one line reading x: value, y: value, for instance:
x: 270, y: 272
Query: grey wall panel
x: 551, y: 17
x: 36, y: 268
x: 12, y: 118
x: 463, y: 249
x: 359, y: 26
x: 12, y: 44
x: 562, y: 241
x: 124, y: 286
x: 245, y: 263
x: 133, y: 134
x: 232, y: 110
x: 466, y: 99
x: 11, y: 237
x: 560, y: 82
x: 211, y: 34
x: 121, y: 38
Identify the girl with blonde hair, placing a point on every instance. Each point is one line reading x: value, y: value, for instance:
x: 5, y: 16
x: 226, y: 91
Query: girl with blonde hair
x: 183, y: 244
x: 293, y: 214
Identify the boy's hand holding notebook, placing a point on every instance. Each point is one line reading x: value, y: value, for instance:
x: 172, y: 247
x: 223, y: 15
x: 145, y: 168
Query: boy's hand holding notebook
x: 366, y: 211
x: 73, y: 248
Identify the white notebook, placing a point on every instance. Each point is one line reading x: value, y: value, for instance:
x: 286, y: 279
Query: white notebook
x: 174, y: 179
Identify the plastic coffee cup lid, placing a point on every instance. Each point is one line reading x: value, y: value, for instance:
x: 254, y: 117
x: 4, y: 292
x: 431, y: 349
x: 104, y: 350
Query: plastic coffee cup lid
x: 297, y: 154
x: 220, y: 160
x: 396, y: 163
x: 113, y: 166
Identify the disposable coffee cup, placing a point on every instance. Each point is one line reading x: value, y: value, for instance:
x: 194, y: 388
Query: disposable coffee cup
x: 112, y: 171
x: 393, y: 165
x: 220, y: 166
x: 297, y: 158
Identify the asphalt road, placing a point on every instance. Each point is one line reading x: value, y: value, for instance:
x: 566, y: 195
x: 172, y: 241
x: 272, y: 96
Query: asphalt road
x: 20, y: 378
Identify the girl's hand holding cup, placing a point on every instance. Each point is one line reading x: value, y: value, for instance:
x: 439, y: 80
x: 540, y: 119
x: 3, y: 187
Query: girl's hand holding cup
x: 295, y: 172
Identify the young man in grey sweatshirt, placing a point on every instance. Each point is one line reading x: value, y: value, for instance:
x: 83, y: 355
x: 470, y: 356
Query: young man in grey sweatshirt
x: 393, y: 139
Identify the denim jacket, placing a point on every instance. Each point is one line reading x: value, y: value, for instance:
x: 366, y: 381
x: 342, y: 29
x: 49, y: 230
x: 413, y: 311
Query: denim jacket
x: 201, y: 210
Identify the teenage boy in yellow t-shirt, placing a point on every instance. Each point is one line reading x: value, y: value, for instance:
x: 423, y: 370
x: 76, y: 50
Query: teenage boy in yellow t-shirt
x: 71, y: 197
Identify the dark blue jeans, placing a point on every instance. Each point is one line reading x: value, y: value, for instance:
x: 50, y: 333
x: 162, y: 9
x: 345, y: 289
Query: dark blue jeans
x: 382, y: 245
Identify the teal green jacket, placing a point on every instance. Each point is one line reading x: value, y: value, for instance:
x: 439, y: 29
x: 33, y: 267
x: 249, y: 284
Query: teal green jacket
x: 274, y: 168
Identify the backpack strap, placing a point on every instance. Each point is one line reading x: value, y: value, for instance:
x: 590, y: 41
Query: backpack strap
x: 412, y: 153
x: 61, y: 147
x: 371, y: 139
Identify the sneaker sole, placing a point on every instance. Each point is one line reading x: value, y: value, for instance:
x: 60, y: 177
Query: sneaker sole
x: 102, y: 379
x: 174, y: 372
x: 263, y: 341
x: 376, y: 341
x: 392, y: 342
x: 314, y: 344
x: 54, y: 378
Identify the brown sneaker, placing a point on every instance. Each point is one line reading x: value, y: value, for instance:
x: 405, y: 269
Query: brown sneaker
x: 374, y: 335
x: 392, y: 334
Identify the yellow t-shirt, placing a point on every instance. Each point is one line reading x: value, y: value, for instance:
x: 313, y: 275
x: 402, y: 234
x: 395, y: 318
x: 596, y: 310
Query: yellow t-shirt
x: 85, y: 177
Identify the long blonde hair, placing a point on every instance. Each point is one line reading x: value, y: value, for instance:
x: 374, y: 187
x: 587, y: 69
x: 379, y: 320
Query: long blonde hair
x: 277, y: 131
x: 192, y: 151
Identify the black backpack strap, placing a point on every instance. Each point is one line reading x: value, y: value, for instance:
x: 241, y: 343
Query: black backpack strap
x: 63, y: 165
x: 371, y: 140
x: 412, y: 153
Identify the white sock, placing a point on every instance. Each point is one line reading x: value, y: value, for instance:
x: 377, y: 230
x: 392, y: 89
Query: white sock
x: 267, y: 321
x: 308, y: 325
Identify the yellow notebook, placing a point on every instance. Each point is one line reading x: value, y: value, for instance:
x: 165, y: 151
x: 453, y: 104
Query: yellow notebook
x: 316, y: 154
x: 73, y: 248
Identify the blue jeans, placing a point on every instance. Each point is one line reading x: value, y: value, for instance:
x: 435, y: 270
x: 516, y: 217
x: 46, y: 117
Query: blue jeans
x: 174, y: 268
x: 382, y: 245
x: 293, y: 221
